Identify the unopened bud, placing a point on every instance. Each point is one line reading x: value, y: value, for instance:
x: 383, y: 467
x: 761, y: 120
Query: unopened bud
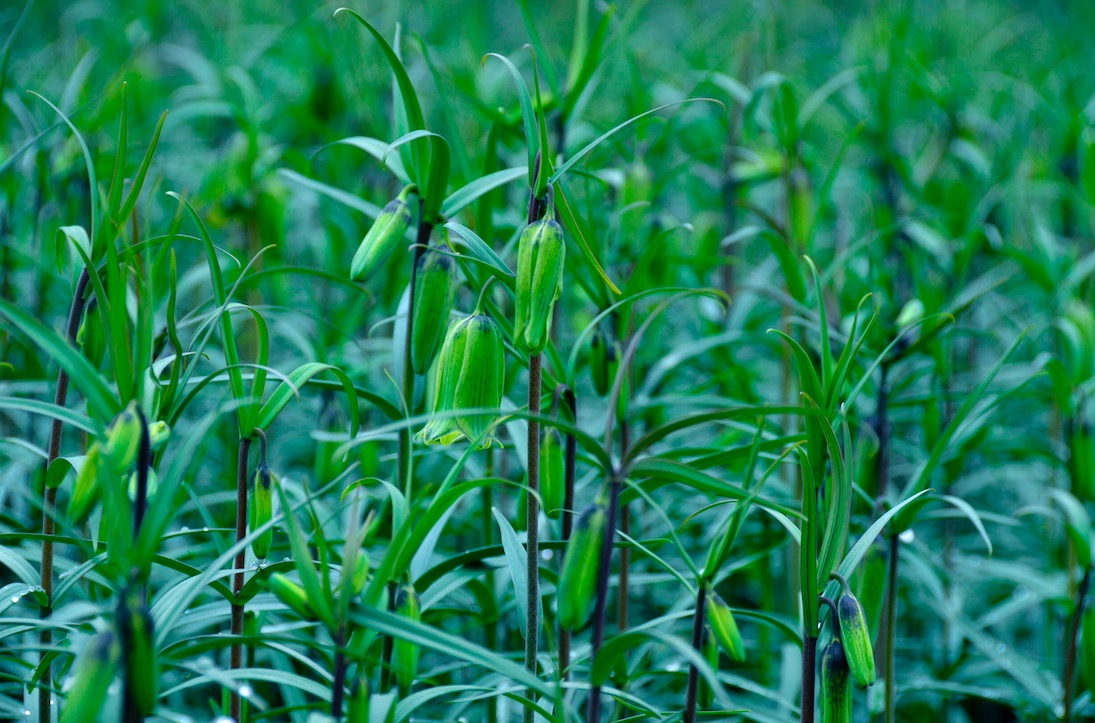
x: 261, y: 508
x: 94, y: 673
x: 123, y: 438
x: 724, y: 626
x: 857, y: 639
x: 291, y: 594
x: 383, y: 237
x: 581, y: 563
x: 836, y: 689
x: 434, y: 290
x: 405, y: 653
x: 552, y: 472
x: 540, y: 259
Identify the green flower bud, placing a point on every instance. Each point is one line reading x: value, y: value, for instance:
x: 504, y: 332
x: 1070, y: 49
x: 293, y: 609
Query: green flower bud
x: 836, y: 691
x: 404, y: 653
x: 123, y: 438
x: 552, y: 472
x: 95, y: 669
x: 158, y: 434
x: 383, y: 237
x: 434, y: 290
x: 85, y: 491
x: 482, y: 378
x: 540, y: 257
x: 91, y: 337
x: 361, y: 572
x: 604, y: 362
x: 581, y: 563
x: 724, y: 626
x: 141, y: 672
x: 471, y: 376
x: 260, y: 508
x: 857, y: 639
x: 291, y: 594
x: 153, y: 482
x: 443, y: 428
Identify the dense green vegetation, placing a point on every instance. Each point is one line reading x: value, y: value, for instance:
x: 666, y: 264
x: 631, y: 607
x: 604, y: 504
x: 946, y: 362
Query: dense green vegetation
x: 747, y: 361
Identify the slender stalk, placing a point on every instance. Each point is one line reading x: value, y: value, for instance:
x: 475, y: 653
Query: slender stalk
x: 809, y: 656
x: 49, y: 501
x: 386, y: 650
x: 490, y: 626
x: 241, y: 561
x: 338, y: 682
x: 593, y: 712
x: 532, y: 627
x: 882, y: 430
x: 568, y: 519
x: 144, y: 461
x: 625, y: 528
x: 890, y: 629
x: 131, y: 712
x: 692, y: 693
x: 1074, y: 633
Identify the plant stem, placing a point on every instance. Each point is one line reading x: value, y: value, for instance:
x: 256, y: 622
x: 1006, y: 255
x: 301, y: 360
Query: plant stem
x: 386, y: 649
x: 593, y: 714
x: 131, y: 712
x: 45, y: 635
x: 882, y: 430
x: 338, y: 683
x: 625, y: 528
x: 490, y: 626
x: 1074, y: 633
x: 568, y: 519
x: 144, y: 461
x: 241, y: 561
x: 532, y: 627
x: 692, y: 694
x: 891, y: 625
x: 809, y: 654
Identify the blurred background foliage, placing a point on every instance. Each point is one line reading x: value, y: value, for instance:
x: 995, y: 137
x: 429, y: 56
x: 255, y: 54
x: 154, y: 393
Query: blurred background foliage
x: 943, y: 159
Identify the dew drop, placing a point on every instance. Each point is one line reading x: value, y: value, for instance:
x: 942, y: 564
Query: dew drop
x: 907, y: 536
x: 205, y: 529
x: 547, y: 554
x: 15, y: 599
x: 254, y: 566
x: 245, y: 691
x: 184, y: 528
x: 673, y: 667
x: 1001, y: 648
x: 26, y: 712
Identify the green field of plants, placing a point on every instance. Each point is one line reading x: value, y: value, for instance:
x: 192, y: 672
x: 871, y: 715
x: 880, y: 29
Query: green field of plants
x: 508, y: 361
